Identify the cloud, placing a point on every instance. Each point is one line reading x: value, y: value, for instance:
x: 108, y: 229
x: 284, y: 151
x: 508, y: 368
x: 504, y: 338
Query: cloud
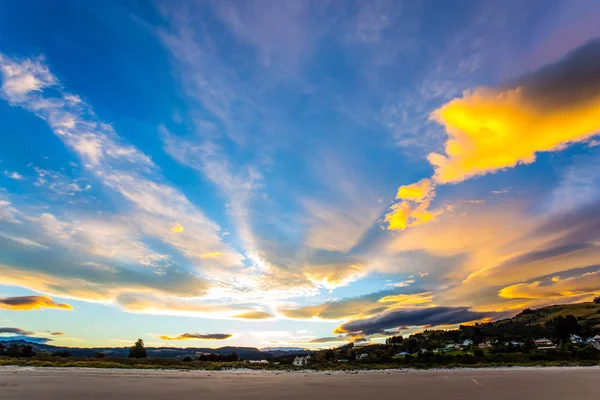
x: 57, y: 333
x: 14, y: 175
x: 7, y: 211
x: 16, y: 331
x: 433, y: 316
x: 408, y: 299
x: 585, y: 285
x: 407, y: 214
x: 416, y: 192
x: 355, y: 307
x: 155, y: 206
x: 26, y: 303
x: 198, y: 336
x: 493, y: 129
x: 256, y: 315
x: 18, y: 80
x: 334, y: 275
x: 331, y: 339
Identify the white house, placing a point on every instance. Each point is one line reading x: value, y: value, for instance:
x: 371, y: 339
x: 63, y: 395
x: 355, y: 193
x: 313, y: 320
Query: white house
x: 452, y: 346
x: 258, y: 361
x: 299, y: 361
x: 467, y: 342
x: 485, y: 345
x: 363, y: 356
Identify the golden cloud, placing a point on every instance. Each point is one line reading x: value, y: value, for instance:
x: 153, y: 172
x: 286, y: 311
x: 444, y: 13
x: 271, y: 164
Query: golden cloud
x: 489, y: 130
x: 254, y: 315
x: 402, y: 300
x: 177, y: 228
x: 27, y: 303
x: 198, y: 336
x: 584, y: 285
x: 405, y: 214
x: 334, y: 275
x: 416, y: 192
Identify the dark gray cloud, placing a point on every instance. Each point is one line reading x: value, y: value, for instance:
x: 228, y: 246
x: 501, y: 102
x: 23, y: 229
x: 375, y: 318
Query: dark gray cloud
x: 16, y: 331
x: 31, y: 303
x: 572, y: 80
x: 414, y: 317
x: 330, y: 339
x: 198, y: 336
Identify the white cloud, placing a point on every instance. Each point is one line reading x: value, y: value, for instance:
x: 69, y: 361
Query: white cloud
x: 14, y: 175
x: 122, y: 167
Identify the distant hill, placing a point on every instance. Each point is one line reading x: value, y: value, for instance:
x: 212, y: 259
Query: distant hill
x: 249, y: 353
x: 584, y: 312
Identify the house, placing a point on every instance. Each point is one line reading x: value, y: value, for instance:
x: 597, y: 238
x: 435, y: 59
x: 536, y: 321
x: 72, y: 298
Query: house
x: 544, y: 344
x: 515, y: 343
x: 343, y: 360
x: 423, y: 351
x: 577, y: 339
x: 258, y: 361
x: 485, y: 345
x: 595, y: 342
x: 402, y: 354
x: 299, y: 361
x: 467, y: 342
x: 452, y: 346
x: 363, y: 356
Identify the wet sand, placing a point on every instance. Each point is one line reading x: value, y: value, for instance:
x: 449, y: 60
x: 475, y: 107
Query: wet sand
x: 489, y: 384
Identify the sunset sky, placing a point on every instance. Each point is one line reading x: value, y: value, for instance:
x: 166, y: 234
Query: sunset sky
x: 293, y: 173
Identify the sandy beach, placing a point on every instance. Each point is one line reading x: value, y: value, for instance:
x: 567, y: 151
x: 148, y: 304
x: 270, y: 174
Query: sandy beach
x: 509, y: 383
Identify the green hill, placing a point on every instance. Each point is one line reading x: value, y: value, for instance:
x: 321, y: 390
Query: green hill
x: 586, y: 314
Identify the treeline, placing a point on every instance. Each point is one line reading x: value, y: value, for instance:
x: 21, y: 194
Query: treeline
x: 16, y: 350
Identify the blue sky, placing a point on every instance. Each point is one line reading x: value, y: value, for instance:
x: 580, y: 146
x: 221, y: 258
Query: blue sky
x: 293, y: 173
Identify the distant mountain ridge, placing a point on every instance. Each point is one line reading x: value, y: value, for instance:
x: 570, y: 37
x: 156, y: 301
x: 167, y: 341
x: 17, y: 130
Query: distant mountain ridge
x: 249, y: 353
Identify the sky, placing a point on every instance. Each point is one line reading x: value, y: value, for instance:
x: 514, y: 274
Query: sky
x: 293, y: 173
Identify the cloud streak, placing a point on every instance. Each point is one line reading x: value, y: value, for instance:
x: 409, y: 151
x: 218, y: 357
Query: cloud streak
x: 27, y: 303
x: 198, y: 336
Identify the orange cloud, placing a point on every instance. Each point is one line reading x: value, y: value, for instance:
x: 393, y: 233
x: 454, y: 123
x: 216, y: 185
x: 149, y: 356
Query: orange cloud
x: 254, y: 315
x: 583, y: 285
x: 489, y: 130
x: 416, y: 192
x: 198, y: 336
x: 405, y: 214
x: 27, y: 303
x: 402, y: 300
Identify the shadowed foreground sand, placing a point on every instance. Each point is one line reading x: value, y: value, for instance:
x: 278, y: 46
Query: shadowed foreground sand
x: 489, y: 384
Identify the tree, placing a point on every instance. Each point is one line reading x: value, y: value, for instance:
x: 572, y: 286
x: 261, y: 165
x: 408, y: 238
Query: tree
x: 138, y: 350
x: 2, y: 347
x: 563, y: 327
x: 186, y: 359
x: 27, y: 351
x: 394, y: 340
x: 597, y: 300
